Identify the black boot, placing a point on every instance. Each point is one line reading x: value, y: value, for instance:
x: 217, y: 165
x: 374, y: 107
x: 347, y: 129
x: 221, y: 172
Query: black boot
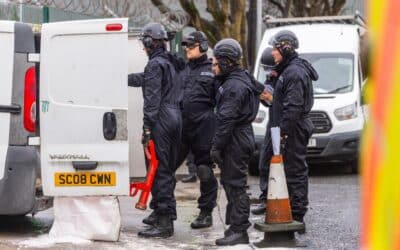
x: 233, y: 239
x: 228, y: 232
x: 260, y: 209
x: 300, y: 218
x: 203, y: 220
x: 164, y: 228
x: 189, y: 178
x: 151, y: 219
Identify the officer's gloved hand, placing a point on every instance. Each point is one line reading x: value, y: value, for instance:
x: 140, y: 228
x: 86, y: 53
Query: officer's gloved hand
x: 146, y: 136
x: 284, y: 139
x: 216, y: 157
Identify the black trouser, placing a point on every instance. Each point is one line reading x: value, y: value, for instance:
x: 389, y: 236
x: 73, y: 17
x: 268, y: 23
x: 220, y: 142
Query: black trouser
x: 266, y: 153
x: 236, y: 158
x: 237, y: 209
x: 197, y: 138
x: 296, y: 169
x: 166, y: 135
x: 192, y: 169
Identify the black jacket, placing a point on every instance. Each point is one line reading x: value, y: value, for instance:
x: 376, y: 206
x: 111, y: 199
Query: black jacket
x: 199, y: 89
x: 271, y: 115
x: 293, y: 93
x: 237, y: 105
x: 159, y: 83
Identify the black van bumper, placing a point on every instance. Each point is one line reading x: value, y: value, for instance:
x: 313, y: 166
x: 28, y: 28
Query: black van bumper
x: 17, y: 187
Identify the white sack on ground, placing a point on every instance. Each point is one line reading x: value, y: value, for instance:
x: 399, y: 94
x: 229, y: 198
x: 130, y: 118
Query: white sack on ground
x: 276, y: 139
x: 87, y: 217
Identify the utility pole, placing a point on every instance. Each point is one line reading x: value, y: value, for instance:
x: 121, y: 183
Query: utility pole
x: 21, y: 16
x: 259, y: 23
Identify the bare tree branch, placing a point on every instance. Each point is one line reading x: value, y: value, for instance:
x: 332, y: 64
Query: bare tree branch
x: 287, y: 8
x: 278, y: 5
x: 337, y: 6
x: 172, y: 15
x: 161, y: 6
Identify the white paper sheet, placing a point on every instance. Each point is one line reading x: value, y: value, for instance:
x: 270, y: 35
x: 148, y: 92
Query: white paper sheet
x: 276, y: 139
x: 87, y: 217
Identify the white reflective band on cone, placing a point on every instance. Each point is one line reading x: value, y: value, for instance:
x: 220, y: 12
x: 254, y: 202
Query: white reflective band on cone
x: 277, y: 188
x: 87, y: 217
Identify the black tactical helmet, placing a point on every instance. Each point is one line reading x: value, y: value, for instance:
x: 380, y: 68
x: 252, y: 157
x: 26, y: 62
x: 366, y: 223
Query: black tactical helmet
x: 284, y: 37
x: 155, y: 31
x: 228, y: 48
x: 267, y: 60
x: 196, y: 37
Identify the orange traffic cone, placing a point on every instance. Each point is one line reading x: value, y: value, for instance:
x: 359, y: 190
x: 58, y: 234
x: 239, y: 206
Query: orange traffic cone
x: 277, y: 204
x: 278, y: 225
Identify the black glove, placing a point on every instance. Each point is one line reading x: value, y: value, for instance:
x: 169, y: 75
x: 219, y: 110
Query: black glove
x: 284, y: 139
x: 135, y: 80
x: 146, y: 136
x: 216, y: 157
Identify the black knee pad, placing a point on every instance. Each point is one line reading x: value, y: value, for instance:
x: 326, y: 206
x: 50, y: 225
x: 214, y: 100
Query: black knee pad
x: 204, y: 172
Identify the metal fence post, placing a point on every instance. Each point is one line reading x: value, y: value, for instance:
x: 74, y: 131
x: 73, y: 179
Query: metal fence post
x: 46, y: 14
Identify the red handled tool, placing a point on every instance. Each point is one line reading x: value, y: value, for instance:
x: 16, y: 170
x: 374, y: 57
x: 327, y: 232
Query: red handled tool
x: 145, y: 186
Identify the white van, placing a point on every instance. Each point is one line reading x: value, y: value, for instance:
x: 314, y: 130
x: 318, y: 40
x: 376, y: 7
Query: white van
x: 72, y: 123
x: 332, y: 45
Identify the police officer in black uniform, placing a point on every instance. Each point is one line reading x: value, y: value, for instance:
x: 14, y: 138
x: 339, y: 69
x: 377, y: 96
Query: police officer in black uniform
x: 292, y: 101
x: 199, y: 122
x: 162, y: 122
x: 192, y: 169
x: 268, y: 63
x: 233, y: 144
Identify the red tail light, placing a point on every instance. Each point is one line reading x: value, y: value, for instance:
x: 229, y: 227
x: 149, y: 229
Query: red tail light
x: 114, y: 27
x: 30, y: 100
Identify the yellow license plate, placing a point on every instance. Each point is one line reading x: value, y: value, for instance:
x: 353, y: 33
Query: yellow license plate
x: 85, y: 179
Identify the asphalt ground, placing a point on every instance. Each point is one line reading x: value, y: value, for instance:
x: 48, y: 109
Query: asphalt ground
x: 332, y: 220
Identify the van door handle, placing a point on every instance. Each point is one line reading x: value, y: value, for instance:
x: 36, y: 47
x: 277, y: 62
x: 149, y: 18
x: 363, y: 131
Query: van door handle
x: 109, y: 126
x: 13, y: 109
x: 84, y: 165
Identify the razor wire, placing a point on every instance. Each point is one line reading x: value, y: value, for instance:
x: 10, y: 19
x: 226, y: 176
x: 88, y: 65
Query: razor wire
x: 139, y: 12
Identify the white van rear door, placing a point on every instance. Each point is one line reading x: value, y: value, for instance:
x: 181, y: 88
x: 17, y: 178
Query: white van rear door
x: 6, y: 80
x: 83, y: 108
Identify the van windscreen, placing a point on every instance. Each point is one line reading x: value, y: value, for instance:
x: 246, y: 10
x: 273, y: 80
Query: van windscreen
x: 335, y: 72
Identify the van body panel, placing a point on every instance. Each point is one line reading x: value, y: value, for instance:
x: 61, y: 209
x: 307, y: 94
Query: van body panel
x: 24, y: 44
x: 330, y: 38
x: 6, y: 82
x: 24, y: 40
x: 83, y: 76
x: 18, y: 134
x: 19, y: 163
x: 340, y: 100
x: 137, y: 62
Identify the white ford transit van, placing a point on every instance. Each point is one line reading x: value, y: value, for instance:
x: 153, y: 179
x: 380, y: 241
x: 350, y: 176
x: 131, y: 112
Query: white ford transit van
x: 332, y: 45
x: 71, y: 122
